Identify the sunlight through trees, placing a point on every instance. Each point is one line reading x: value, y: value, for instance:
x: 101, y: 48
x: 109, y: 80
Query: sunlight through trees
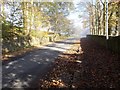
x: 96, y: 11
x: 24, y: 22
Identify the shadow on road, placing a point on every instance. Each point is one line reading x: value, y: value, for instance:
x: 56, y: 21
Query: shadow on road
x: 26, y: 70
x: 94, y: 66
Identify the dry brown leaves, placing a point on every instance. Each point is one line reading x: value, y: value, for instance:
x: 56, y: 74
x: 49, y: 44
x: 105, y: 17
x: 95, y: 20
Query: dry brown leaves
x: 93, y: 66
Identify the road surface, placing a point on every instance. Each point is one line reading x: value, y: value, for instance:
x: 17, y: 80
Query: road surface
x: 21, y: 72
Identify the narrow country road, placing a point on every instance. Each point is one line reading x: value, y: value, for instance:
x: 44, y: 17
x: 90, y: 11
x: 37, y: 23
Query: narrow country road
x: 22, y: 71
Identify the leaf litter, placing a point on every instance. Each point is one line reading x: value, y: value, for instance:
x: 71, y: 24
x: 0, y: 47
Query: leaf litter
x: 92, y: 66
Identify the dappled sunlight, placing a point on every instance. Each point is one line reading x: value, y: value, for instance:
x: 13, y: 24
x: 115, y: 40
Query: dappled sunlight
x: 11, y: 63
x: 92, y: 66
x: 32, y: 23
x: 61, y: 46
x: 22, y: 71
x: 57, y: 83
x: 18, y: 68
x: 67, y: 67
x: 43, y: 44
x: 54, y: 48
x: 63, y: 75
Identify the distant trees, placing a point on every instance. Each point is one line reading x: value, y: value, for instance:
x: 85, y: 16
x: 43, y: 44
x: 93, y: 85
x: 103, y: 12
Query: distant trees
x: 97, y: 17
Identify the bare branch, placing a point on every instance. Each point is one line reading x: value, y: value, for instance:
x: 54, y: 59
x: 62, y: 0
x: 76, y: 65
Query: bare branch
x: 101, y: 2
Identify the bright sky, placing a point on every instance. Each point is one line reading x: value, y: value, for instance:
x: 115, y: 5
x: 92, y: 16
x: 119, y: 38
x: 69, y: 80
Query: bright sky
x: 77, y: 22
x: 79, y: 31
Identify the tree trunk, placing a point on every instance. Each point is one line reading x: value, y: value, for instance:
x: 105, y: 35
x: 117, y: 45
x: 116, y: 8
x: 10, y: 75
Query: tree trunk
x: 104, y: 19
x: 119, y: 17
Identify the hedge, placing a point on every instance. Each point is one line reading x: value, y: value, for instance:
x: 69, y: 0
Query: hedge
x: 113, y: 43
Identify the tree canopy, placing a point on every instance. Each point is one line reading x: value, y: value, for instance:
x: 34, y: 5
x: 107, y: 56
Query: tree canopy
x: 23, y: 21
